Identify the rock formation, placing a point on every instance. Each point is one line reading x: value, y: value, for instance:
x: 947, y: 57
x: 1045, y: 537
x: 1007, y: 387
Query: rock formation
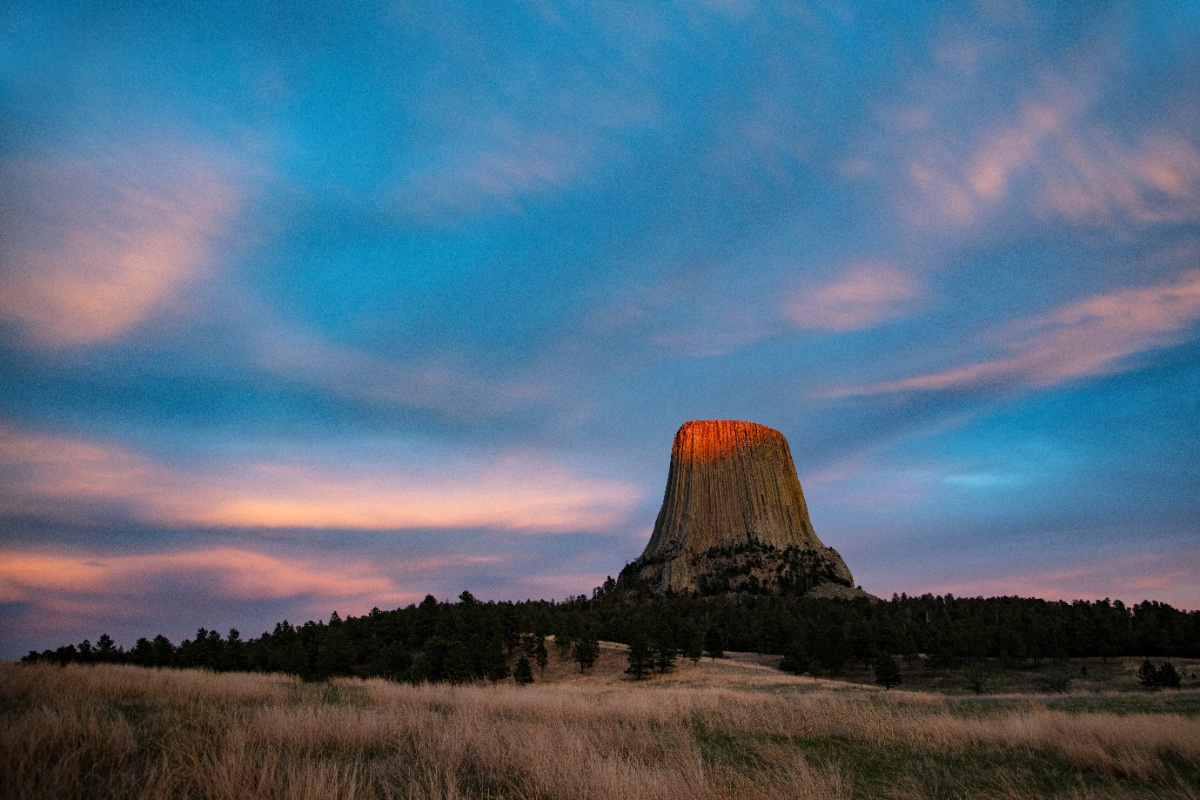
x: 734, y: 518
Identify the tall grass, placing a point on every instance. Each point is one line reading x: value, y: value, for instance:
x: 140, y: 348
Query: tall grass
x: 118, y: 731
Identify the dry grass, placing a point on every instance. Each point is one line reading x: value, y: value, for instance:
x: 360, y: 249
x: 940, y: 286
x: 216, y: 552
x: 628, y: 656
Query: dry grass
x: 719, y: 730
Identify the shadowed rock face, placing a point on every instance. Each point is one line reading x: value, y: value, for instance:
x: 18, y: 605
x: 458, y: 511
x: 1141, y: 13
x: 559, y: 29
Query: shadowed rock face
x: 734, y: 518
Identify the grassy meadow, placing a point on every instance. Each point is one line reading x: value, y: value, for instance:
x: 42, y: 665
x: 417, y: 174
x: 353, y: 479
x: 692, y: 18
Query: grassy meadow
x: 736, y: 727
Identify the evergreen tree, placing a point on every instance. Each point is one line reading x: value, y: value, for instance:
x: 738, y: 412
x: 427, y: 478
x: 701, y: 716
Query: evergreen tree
x: 457, y: 666
x: 693, y: 647
x: 887, y: 671
x: 641, y: 657
x: 665, y: 651
x: 1148, y: 675
x: 495, y: 665
x: 1167, y: 677
x: 335, y: 654
x: 587, y: 650
x: 795, y: 659
x: 522, y: 673
x: 714, y: 643
x: 106, y: 650
x: 395, y: 661
x: 541, y: 656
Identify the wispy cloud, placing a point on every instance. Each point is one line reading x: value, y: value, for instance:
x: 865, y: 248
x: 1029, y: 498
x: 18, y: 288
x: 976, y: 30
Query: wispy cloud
x: 95, y: 247
x: 306, y: 357
x: 63, y: 478
x: 1087, y: 337
x: 233, y: 573
x: 511, y: 164
x: 865, y: 294
x: 1059, y: 162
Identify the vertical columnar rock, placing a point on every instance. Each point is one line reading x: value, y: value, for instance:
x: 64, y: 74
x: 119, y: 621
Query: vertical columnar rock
x: 734, y: 518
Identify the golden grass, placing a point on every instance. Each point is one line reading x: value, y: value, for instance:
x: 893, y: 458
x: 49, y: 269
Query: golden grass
x: 118, y: 731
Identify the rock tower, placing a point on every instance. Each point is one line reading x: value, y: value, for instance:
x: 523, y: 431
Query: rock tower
x: 734, y: 519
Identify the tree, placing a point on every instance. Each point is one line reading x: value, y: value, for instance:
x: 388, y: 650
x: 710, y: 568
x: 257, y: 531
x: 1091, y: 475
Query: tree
x: 887, y: 671
x: 977, y: 677
x: 1147, y: 675
x: 587, y: 650
x: 693, y: 647
x: 795, y: 659
x: 1168, y: 678
x: 641, y: 657
x: 714, y: 643
x: 522, y: 673
x: 395, y: 661
x: 541, y: 656
x: 457, y: 666
x: 495, y: 665
x: 665, y: 651
x: 335, y: 654
x: 106, y: 650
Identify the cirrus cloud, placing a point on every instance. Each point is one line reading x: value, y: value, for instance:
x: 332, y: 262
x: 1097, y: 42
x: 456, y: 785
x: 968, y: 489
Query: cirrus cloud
x: 866, y: 294
x: 94, y: 247
x: 72, y: 479
x: 1079, y: 339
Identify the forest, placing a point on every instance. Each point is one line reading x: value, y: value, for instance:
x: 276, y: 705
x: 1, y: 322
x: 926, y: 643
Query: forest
x: 470, y: 640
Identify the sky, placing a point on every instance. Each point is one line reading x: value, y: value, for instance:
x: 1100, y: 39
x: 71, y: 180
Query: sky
x: 323, y: 306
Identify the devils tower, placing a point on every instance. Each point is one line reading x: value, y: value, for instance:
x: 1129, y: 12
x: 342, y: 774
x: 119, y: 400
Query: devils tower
x: 734, y: 519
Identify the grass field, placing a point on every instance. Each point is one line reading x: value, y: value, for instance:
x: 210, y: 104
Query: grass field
x: 730, y: 728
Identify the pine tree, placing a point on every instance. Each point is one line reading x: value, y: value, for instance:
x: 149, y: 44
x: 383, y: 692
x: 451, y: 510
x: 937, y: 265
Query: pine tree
x: 495, y: 665
x: 795, y: 660
x: 587, y: 650
x: 1168, y: 678
x: 714, y: 643
x: 1148, y: 675
x: 694, y: 644
x: 541, y: 656
x: 641, y: 657
x: 335, y: 654
x: 665, y: 651
x: 522, y: 673
x: 887, y: 671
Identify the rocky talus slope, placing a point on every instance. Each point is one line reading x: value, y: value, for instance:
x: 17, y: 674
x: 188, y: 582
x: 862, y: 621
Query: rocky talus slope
x: 734, y: 518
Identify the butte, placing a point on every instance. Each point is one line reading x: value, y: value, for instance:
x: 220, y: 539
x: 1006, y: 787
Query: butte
x: 733, y: 519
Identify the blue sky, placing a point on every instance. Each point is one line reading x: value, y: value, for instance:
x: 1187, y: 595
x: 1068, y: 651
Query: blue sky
x: 308, y: 307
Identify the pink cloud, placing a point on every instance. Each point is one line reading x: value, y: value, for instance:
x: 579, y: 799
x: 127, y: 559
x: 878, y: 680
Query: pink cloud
x: 59, y: 477
x: 99, y: 246
x: 1080, y: 339
x: 239, y: 574
x: 865, y: 294
x: 1066, y: 168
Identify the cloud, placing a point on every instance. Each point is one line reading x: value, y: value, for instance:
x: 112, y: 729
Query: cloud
x: 866, y: 294
x: 71, y: 479
x: 96, y: 247
x: 53, y: 597
x: 1056, y: 161
x: 306, y: 357
x: 1080, y: 339
x: 512, y: 164
x: 234, y: 574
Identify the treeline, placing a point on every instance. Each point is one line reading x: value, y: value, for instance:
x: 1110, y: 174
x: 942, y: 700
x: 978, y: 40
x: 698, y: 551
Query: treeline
x: 471, y: 640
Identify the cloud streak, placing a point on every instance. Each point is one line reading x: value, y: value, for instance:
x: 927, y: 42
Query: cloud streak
x: 1089, y: 337
x: 866, y: 294
x: 95, y: 248
x: 76, y: 480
